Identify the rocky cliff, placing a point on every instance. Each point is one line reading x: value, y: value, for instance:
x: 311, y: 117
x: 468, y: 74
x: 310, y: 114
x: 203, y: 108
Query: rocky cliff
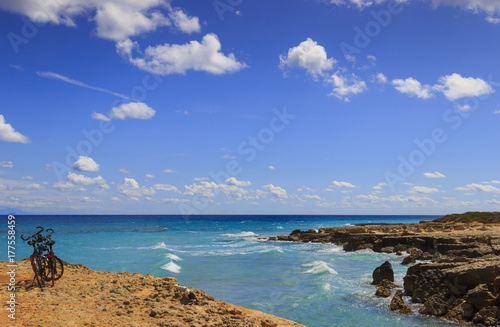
x: 84, y: 297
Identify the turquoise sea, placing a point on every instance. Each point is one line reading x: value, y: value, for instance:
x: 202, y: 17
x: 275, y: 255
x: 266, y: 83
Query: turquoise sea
x: 318, y: 285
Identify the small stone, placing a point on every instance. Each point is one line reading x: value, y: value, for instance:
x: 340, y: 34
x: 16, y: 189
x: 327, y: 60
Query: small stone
x: 383, y: 291
x: 384, y: 271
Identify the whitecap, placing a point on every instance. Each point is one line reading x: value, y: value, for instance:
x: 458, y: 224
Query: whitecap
x: 332, y: 249
x: 161, y: 245
x: 242, y: 234
x: 173, y: 257
x: 327, y: 287
x: 319, y: 267
x: 172, y: 267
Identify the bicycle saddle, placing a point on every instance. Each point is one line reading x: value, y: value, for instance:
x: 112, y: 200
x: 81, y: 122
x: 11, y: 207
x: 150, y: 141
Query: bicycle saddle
x: 49, y: 243
x: 43, y: 248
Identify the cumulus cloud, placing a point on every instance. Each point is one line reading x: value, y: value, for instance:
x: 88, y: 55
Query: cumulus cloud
x: 336, y: 184
x: 423, y: 189
x: 455, y: 87
x: 478, y: 188
x: 310, y: 56
x: 381, y: 78
x: 434, y: 175
x: 345, y: 86
x: 6, y: 164
x: 274, y: 191
x: 115, y: 19
x: 85, y: 164
x: 9, y: 134
x: 178, y: 59
x: 235, y: 182
x: 166, y: 187
x: 452, y: 86
x: 205, y: 189
x: 84, y: 180
x: 135, y: 110
x: 412, y: 87
x: 131, y: 188
x: 184, y: 22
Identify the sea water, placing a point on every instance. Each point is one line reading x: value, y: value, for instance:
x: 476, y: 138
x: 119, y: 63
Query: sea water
x: 317, y: 285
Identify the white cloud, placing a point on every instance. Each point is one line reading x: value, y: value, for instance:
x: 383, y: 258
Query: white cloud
x: 135, y: 110
x: 434, y: 175
x: 166, y: 187
x: 210, y: 189
x: 381, y: 78
x: 169, y: 171
x: 423, y: 189
x: 271, y: 167
x: 78, y: 83
x: 488, y: 6
x: 123, y: 170
x: 412, y: 87
x: 27, y: 178
x: 235, y: 182
x: 310, y: 56
x: 9, y: 134
x: 177, y: 59
x: 184, y: 22
x: 85, y: 164
x: 336, y: 184
x: 149, y: 176
x: 455, y: 87
x: 312, y: 197
x: 493, y: 20
x: 6, y: 164
x: 379, y: 186
x: 275, y: 191
x: 497, y: 112
x: 68, y: 186
x: 84, y: 180
x: 492, y: 202
x: 478, y: 188
x: 131, y: 188
x: 115, y: 19
x: 345, y: 86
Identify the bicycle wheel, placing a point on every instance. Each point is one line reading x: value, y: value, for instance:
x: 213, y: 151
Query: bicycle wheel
x: 36, y: 265
x: 58, y: 268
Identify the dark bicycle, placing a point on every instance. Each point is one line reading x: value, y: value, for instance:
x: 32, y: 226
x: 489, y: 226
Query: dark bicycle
x: 55, y: 268
x: 38, y: 264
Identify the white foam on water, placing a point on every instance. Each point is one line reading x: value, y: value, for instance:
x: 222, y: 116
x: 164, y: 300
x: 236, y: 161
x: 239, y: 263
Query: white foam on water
x: 161, y: 245
x: 327, y: 287
x: 172, y: 267
x: 319, y: 267
x: 331, y: 249
x: 242, y: 234
x: 173, y: 257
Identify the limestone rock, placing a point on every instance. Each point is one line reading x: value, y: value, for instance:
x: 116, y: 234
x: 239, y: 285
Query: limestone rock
x: 481, y: 297
x: 383, y: 291
x: 488, y: 316
x: 397, y: 301
x: 384, y: 271
x: 435, y: 305
x: 461, y: 311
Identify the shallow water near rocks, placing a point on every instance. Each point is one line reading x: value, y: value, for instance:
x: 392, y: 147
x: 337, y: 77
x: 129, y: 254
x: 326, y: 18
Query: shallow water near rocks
x: 317, y: 285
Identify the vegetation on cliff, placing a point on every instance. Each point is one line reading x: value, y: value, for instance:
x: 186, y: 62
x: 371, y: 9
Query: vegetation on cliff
x: 471, y: 216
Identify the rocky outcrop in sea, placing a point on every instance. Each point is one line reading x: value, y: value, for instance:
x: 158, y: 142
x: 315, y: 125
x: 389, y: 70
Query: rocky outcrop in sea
x: 454, y: 267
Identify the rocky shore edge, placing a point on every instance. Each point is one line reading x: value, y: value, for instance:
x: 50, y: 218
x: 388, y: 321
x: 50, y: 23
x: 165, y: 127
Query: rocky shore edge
x: 455, y: 264
x: 85, y: 297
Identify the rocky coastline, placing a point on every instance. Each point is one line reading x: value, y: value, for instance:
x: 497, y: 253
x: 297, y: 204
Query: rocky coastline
x: 454, y: 263
x: 85, y: 297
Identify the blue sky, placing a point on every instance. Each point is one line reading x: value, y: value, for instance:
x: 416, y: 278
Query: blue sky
x: 249, y: 107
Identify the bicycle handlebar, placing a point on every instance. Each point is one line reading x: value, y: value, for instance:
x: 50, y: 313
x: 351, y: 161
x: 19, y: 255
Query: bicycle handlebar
x: 41, y: 230
x: 25, y: 239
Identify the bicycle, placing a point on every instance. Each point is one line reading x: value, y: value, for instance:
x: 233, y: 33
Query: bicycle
x: 36, y: 257
x: 54, y: 264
